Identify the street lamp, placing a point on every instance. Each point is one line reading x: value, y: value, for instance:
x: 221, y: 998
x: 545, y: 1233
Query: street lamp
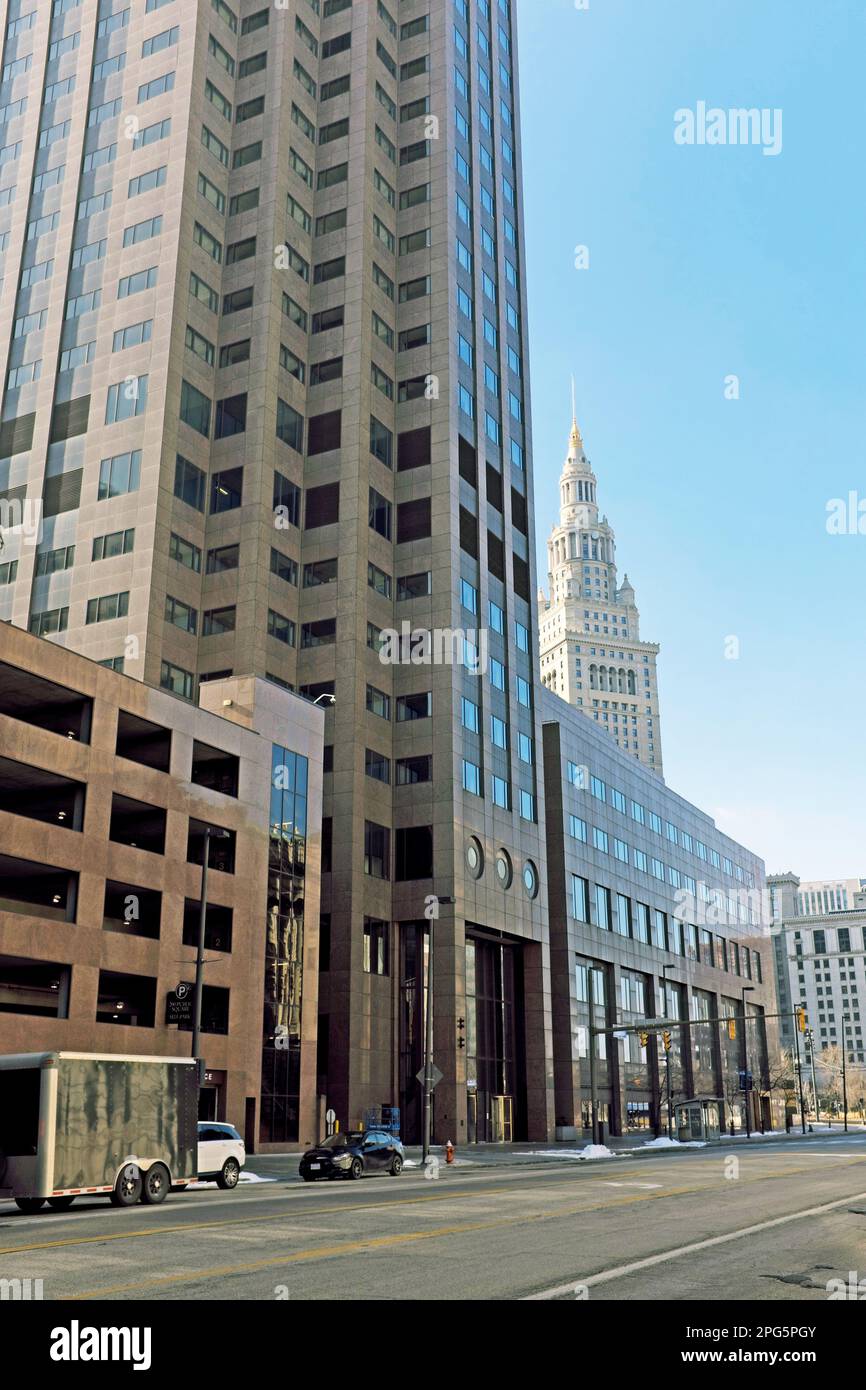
x: 844, y: 1074
x: 212, y: 832
x: 665, y: 970
x: 331, y: 699
x: 747, y: 988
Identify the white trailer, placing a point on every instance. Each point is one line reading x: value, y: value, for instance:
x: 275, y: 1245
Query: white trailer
x: 81, y: 1123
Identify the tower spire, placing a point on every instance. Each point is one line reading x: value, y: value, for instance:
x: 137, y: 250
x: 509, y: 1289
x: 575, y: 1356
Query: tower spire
x: 575, y: 443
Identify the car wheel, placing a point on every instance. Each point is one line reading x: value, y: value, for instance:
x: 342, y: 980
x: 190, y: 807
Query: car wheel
x: 127, y: 1189
x: 154, y: 1188
x: 356, y: 1168
x: 396, y: 1166
x: 309, y: 1177
x: 29, y: 1205
x: 230, y: 1174
x: 60, y: 1203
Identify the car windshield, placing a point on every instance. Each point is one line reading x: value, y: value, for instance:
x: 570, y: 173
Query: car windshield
x: 340, y: 1141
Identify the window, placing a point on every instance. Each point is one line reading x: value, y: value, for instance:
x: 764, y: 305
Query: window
x: 226, y: 490
x: 280, y: 628
x: 376, y: 933
x: 223, y: 558
x: 115, y: 543
x: 195, y: 408
x: 184, y: 552
x: 378, y: 702
x: 377, y: 850
x: 189, y: 483
x: 100, y: 610
x: 290, y: 426
x: 199, y: 345
x: 379, y: 581
x: 167, y: 39
x: 126, y: 399
x: 283, y: 567
x: 200, y: 290
x: 410, y: 707
x: 155, y: 87
x: 247, y: 154
x: 145, y: 183
x: 579, y: 898
x: 377, y: 766
x: 217, y: 621
x: 141, y: 231
x: 231, y: 416
x: 215, y: 146
x: 247, y: 110
x: 180, y: 614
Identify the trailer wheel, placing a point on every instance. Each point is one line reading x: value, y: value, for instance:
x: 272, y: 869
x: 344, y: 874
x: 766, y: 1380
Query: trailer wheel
x: 154, y: 1188
x: 29, y: 1204
x: 127, y: 1189
x: 60, y: 1203
x: 230, y: 1174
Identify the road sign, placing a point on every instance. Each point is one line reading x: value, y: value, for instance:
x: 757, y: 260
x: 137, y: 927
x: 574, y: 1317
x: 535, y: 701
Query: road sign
x: 645, y: 1024
x: 435, y: 1079
x: 182, y: 989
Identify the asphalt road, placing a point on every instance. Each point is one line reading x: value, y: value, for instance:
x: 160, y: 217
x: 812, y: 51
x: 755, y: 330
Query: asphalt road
x: 775, y: 1222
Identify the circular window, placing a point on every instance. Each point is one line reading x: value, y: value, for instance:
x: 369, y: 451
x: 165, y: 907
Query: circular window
x: 474, y: 857
x: 504, y: 871
x: 530, y: 879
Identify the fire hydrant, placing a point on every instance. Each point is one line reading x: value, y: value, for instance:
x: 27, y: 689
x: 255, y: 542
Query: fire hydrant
x: 449, y: 1152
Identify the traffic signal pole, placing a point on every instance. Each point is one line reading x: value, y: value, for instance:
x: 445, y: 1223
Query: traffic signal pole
x: 796, y: 1017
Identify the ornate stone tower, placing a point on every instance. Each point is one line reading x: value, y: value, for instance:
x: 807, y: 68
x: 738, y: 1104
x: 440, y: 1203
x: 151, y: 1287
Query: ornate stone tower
x: 589, y: 627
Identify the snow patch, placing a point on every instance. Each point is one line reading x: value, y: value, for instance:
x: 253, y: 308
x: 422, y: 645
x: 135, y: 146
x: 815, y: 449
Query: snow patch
x: 665, y: 1143
x: 591, y: 1151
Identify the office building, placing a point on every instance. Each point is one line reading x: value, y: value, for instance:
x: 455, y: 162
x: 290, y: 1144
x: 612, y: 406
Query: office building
x: 265, y: 383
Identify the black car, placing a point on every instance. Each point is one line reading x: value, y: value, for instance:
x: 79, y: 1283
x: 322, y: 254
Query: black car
x: 353, y: 1154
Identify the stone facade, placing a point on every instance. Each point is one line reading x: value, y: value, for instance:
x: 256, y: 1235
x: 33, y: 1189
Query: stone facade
x: 589, y: 626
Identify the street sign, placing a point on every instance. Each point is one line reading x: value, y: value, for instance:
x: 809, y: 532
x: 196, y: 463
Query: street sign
x: 621, y: 1037
x: 182, y: 990
x: 435, y: 1078
x: 644, y: 1024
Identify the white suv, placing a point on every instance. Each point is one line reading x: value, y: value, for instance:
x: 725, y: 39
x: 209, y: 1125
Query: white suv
x: 221, y: 1153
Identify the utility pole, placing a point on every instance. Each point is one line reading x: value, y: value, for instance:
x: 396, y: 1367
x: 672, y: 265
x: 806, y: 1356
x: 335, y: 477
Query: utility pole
x: 811, y: 1037
x: 799, y: 1072
x: 844, y: 1075
x: 747, y: 989
x: 211, y: 832
x: 428, y: 1050
x: 667, y: 1014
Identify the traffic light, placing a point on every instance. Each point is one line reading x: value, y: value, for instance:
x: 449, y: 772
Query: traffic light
x: 732, y: 1028
x: 643, y: 1039
x: 666, y: 1039
x: 801, y: 1019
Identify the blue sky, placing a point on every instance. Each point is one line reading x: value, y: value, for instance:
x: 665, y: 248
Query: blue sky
x: 704, y: 262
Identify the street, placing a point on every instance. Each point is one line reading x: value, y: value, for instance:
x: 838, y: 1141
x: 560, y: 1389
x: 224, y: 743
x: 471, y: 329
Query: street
x: 771, y: 1221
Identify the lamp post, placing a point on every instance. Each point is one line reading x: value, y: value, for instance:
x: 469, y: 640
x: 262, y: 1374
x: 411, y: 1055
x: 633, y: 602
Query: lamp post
x: 665, y: 970
x: 211, y: 832
x: 428, y: 1041
x: 844, y: 1075
x: 810, y: 1037
x: 799, y: 1071
x: 747, y: 989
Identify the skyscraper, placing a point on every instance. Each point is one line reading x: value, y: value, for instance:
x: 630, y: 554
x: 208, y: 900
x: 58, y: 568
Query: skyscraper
x: 262, y: 326
x: 591, y: 649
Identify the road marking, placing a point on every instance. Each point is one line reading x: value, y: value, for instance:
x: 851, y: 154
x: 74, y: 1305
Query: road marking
x: 632, y: 1184
x: 620, y: 1271
x: 354, y: 1246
